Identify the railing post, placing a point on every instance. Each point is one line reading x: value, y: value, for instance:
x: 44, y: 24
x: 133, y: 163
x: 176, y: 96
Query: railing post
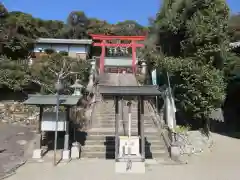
x: 116, y: 127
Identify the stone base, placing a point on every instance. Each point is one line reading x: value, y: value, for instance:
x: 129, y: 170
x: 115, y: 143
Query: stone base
x: 37, y: 153
x: 75, y: 151
x: 66, y: 155
x: 135, y: 167
x: 175, y: 153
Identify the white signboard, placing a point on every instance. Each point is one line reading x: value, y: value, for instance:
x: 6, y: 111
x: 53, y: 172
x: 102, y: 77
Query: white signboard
x: 154, y: 77
x: 127, y: 144
x: 49, y: 121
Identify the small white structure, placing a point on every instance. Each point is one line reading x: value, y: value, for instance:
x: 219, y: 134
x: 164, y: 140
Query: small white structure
x: 37, y: 153
x: 75, y: 150
x: 129, y: 145
x: 129, y: 151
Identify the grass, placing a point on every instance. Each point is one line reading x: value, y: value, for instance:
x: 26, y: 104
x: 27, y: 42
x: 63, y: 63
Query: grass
x: 182, y: 129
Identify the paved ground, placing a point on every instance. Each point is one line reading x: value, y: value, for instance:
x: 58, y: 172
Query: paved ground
x: 13, y: 141
x: 221, y: 164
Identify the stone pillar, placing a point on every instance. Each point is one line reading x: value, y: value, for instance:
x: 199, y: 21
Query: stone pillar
x: 142, y: 128
x: 66, y: 151
x: 91, y: 77
x: 116, y: 127
x: 37, y: 152
x: 144, y: 68
x: 90, y: 83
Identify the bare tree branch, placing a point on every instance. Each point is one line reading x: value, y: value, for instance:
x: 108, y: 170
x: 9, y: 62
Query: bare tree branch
x: 41, y: 84
x: 53, y: 71
x: 70, y: 73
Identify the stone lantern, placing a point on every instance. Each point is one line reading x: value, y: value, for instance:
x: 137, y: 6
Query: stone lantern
x: 75, y: 149
x: 77, y: 88
x: 93, y: 66
x: 92, y: 76
x: 144, y: 67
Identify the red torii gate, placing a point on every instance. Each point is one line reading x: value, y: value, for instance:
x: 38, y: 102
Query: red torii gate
x: 103, y: 44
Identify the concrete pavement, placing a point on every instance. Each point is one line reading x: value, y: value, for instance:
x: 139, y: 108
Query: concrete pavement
x: 13, y: 141
x: 223, y: 163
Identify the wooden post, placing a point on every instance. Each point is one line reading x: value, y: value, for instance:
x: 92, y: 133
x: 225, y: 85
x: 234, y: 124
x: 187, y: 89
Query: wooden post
x: 38, y: 140
x: 40, y: 120
x: 139, y: 117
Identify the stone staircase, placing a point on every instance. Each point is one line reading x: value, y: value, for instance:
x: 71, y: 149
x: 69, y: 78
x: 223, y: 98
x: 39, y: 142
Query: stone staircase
x: 100, y: 140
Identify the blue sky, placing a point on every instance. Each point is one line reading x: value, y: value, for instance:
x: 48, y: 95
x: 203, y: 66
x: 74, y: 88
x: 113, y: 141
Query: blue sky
x: 110, y: 10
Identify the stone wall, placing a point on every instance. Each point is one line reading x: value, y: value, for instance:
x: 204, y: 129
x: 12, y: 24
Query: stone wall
x: 192, y: 143
x: 18, y: 113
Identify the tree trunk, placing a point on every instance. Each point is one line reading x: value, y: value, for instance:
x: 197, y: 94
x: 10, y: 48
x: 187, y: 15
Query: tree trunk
x: 206, y: 126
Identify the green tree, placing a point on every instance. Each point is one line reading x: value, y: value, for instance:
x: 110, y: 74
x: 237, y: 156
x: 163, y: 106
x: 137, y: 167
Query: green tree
x: 192, y: 44
x: 234, y: 27
x: 96, y: 26
x: 77, y: 23
x: 128, y: 28
x: 3, y: 30
x: 13, y: 75
x: 22, y: 30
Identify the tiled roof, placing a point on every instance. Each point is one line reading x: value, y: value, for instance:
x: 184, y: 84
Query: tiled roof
x: 129, y: 90
x: 64, y: 41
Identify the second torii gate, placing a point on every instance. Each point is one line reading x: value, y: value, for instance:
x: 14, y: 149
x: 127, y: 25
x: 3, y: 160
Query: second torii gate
x: 103, y: 44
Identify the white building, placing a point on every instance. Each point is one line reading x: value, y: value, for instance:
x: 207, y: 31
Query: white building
x: 77, y: 48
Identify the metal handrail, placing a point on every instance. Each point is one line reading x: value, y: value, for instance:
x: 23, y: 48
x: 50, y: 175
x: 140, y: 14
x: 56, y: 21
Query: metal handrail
x: 93, y: 105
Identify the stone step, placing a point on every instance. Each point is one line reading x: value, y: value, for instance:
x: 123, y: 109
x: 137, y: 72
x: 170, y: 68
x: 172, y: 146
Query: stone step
x: 109, y: 138
x: 111, y: 131
x: 133, y: 125
x: 112, y: 117
x: 112, y: 111
x: 103, y: 122
x: 111, y: 141
x: 121, y: 133
x: 111, y: 154
x: 112, y: 120
x: 111, y: 147
x: 108, y: 115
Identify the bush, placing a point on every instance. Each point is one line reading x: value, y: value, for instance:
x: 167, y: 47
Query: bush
x: 198, y: 88
x: 49, y: 51
x: 63, y: 53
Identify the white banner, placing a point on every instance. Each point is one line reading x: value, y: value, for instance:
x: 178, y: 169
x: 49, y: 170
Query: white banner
x: 154, y: 77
